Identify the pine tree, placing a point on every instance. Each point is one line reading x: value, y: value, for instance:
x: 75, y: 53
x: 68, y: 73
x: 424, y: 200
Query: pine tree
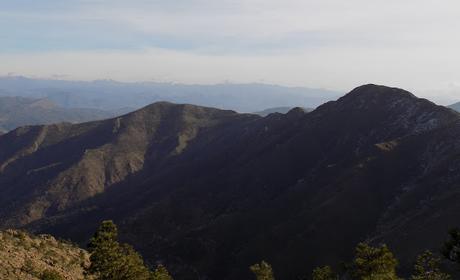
x: 105, y: 252
x: 374, y: 263
x: 427, y: 268
x: 323, y: 273
x: 112, y: 261
x: 262, y: 271
x: 161, y: 273
x: 133, y: 265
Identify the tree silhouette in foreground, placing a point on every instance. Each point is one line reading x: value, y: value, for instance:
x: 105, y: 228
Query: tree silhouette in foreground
x: 374, y: 263
x: 451, y: 248
x: 323, y: 273
x: 262, y: 271
x: 427, y: 268
x: 161, y: 273
x: 112, y: 261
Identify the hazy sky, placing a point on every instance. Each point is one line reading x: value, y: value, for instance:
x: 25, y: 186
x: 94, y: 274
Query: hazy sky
x: 334, y: 44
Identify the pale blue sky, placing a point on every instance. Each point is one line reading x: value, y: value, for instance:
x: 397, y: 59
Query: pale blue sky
x: 329, y: 43
x: 202, y: 26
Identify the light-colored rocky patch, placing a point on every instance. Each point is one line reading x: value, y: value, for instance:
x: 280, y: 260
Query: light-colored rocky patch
x: 26, y: 257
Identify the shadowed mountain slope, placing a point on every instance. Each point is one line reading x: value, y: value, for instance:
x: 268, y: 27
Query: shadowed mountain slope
x: 210, y: 192
x: 65, y: 163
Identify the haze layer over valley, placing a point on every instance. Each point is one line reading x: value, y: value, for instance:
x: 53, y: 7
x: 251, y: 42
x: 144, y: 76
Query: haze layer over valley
x: 111, y: 95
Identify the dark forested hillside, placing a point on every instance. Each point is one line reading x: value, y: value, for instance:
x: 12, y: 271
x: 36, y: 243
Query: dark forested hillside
x: 210, y: 192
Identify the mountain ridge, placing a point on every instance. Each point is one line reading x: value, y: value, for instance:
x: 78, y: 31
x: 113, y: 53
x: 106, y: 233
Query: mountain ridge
x: 214, y: 191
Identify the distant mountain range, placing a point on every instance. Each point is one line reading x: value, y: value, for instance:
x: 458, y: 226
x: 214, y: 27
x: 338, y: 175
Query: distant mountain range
x: 111, y: 95
x: 21, y: 111
x: 281, y: 110
x: 455, y: 106
x: 209, y: 192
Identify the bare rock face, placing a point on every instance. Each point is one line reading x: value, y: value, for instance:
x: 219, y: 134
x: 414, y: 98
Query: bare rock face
x: 210, y: 192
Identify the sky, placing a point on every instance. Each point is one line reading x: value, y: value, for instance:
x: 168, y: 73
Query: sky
x: 334, y: 44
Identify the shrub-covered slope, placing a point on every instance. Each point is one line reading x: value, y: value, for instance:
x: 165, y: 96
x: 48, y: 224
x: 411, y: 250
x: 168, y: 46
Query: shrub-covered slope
x: 27, y: 257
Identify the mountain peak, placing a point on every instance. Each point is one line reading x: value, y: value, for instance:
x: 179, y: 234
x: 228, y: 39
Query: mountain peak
x: 43, y: 103
x: 373, y: 91
x: 399, y: 112
x: 164, y: 108
x: 170, y: 105
x: 297, y: 111
x: 383, y: 98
